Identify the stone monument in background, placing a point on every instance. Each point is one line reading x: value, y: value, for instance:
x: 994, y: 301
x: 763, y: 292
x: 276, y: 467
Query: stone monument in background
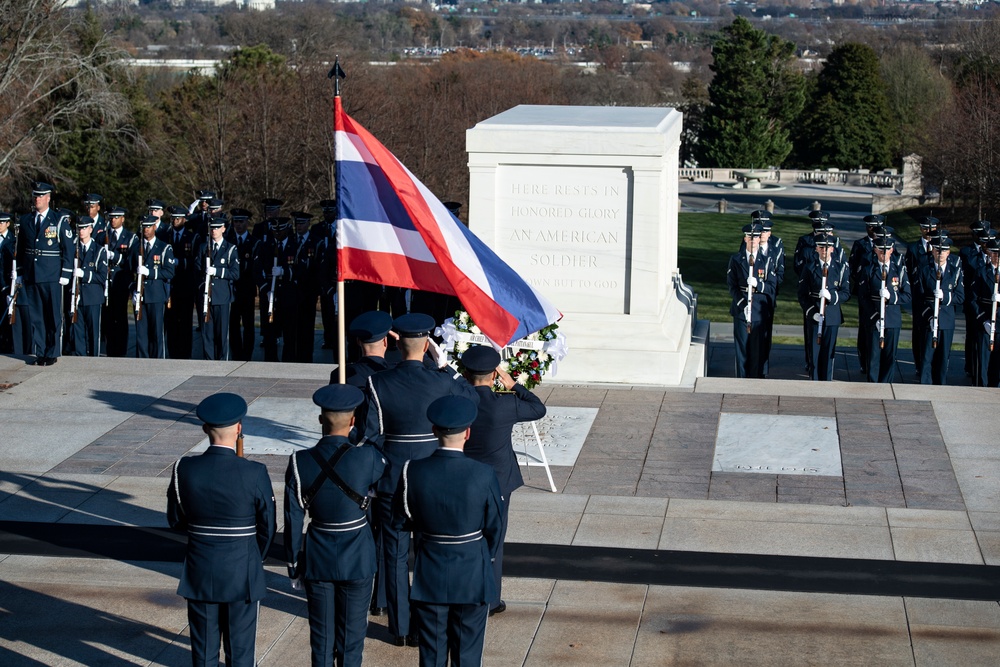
x: 582, y: 203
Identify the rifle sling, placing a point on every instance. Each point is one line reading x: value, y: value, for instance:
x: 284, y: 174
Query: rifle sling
x: 327, y: 472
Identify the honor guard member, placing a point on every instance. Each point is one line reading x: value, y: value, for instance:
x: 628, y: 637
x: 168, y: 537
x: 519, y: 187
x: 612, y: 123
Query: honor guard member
x: 986, y: 297
x: 326, y: 250
x: 226, y: 505
x: 942, y: 292
x: 336, y: 560
x: 394, y: 417
x: 154, y: 268
x: 454, y: 503
x: 806, y: 245
x: 863, y: 253
x: 45, y: 265
x: 370, y: 331
x: 17, y: 305
x: 275, y: 260
x: 752, y: 281
x: 883, y: 287
x: 199, y: 214
x: 489, y: 441
x: 824, y: 285
x: 220, y: 269
x: 305, y: 278
x: 773, y: 248
x: 90, y: 275
x: 155, y: 208
x: 6, y: 281
x: 181, y: 308
x: 917, y: 253
x: 271, y: 211
x: 971, y: 257
x: 92, y: 207
x: 120, y: 245
x: 242, y: 335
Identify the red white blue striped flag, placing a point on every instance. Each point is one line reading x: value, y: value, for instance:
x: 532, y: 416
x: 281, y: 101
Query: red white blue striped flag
x: 393, y: 231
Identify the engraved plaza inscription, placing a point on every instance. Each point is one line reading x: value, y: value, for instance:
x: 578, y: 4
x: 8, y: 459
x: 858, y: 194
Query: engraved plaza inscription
x: 565, y: 230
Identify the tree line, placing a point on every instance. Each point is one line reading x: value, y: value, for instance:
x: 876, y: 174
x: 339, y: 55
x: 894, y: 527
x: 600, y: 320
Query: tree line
x: 76, y: 114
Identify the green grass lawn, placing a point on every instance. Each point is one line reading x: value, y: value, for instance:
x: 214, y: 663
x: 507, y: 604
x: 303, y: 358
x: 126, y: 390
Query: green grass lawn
x: 706, y: 240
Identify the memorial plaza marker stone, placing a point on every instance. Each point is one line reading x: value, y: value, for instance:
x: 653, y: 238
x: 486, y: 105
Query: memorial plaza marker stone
x: 777, y: 444
x: 582, y: 203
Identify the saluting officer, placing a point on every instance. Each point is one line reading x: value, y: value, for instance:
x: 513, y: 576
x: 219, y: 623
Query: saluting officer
x: 220, y: 268
x: 917, y: 254
x: 91, y: 274
x: 752, y: 282
x: 226, y: 505
x: 942, y: 291
x: 862, y: 254
x: 332, y: 481
x: 986, y: 297
x: 394, y: 416
x: 454, y: 503
x: 883, y: 287
x: 120, y: 244
x: 199, y: 213
x: 489, y: 441
x: 182, y: 286
x: 824, y: 284
x: 242, y: 335
x: 370, y: 331
x: 156, y: 270
x: 45, y: 266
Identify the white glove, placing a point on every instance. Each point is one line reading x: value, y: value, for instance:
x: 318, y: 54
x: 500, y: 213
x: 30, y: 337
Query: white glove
x: 751, y: 282
x: 143, y: 271
x: 439, y: 356
x: 19, y: 281
x: 825, y: 294
x: 210, y: 271
x: 817, y: 318
x: 996, y: 297
x: 78, y: 273
x: 296, y: 584
x: 64, y: 281
x: 988, y: 328
x: 884, y: 293
x: 277, y: 272
x: 939, y: 293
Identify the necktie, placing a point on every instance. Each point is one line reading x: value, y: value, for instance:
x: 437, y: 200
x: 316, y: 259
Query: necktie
x: 149, y: 247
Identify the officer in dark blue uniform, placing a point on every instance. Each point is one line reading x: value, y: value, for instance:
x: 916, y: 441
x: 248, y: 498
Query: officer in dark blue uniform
x: 45, y: 264
x: 971, y: 257
x: 274, y: 272
x: 394, y: 416
x: 333, y: 482
x: 220, y: 269
x: 300, y: 337
x: 942, y: 285
x: 917, y: 254
x: 226, y: 505
x: 120, y: 244
x: 326, y: 251
x: 198, y: 219
x: 177, y: 319
x: 752, y: 282
x: 242, y: 332
x: 490, y: 441
x: 454, y: 503
x: 155, y: 270
x: 986, y: 297
x: 883, y: 281
x: 824, y: 284
x: 6, y: 281
x: 371, y: 331
x: 90, y: 275
x: 862, y: 254
x: 92, y: 208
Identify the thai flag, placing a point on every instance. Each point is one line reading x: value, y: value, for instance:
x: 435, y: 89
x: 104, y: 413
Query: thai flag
x: 393, y: 231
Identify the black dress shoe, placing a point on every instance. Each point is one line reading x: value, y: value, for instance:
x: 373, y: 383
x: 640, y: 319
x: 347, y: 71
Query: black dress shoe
x: 376, y: 611
x: 411, y: 640
x: 51, y: 360
x: 37, y: 361
x: 407, y: 640
x: 499, y: 609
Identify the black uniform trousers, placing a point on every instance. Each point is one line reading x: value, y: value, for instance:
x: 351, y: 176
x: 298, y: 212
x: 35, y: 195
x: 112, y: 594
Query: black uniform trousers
x: 332, y: 600
x: 234, y: 622
x: 21, y: 330
x: 87, y: 331
x: 864, y: 335
x: 881, y: 362
x: 498, y: 559
x: 215, y: 333
x: 936, y: 359
x: 6, y: 333
x: 750, y: 348
x: 115, y: 317
x: 455, y: 630
x: 989, y: 362
x: 394, y: 568
x: 241, y: 329
x: 305, y: 329
x: 823, y: 351
x: 378, y: 590
x: 149, y: 332
x: 178, y: 323
x: 45, y: 311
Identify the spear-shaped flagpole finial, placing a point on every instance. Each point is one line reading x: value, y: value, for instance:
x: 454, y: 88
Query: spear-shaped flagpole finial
x: 336, y: 73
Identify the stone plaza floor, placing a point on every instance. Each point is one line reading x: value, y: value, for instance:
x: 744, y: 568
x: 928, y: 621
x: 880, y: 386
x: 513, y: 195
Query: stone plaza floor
x: 690, y: 528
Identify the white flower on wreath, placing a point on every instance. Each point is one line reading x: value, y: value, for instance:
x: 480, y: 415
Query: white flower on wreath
x: 461, y: 347
x: 476, y: 330
x: 464, y: 318
x: 505, y: 366
x: 542, y: 357
x: 522, y: 378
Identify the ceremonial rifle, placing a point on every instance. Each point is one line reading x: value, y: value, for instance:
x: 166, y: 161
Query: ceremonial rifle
x: 993, y: 316
x: 935, y: 320
x: 881, y: 311
x: 822, y: 305
x: 74, y: 290
x: 208, y: 283
x: 270, y: 296
x: 15, y: 289
x: 138, y: 287
x: 748, y: 310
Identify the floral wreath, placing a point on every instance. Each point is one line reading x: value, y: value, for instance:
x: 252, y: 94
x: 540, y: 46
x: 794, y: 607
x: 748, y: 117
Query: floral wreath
x: 527, y: 360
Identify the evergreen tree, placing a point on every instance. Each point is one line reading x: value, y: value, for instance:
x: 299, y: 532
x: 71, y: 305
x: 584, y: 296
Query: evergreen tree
x: 848, y: 123
x: 754, y: 97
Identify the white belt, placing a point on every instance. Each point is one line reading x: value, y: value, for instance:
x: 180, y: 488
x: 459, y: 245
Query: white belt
x: 345, y: 527
x: 453, y: 539
x: 222, y: 531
